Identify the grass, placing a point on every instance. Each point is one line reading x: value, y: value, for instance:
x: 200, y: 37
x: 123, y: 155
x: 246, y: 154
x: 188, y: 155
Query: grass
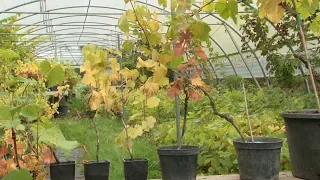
x: 83, y: 132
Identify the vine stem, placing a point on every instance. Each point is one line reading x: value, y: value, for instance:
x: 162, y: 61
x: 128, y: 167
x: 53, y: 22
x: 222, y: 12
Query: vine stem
x: 186, y: 103
x: 305, y: 47
x: 14, y: 138
x: 98, y: 138
x: 247, y: 111
x: 54, y: 155
x: 127, y: 137
x: 144, y: 32
x: 227, y: 117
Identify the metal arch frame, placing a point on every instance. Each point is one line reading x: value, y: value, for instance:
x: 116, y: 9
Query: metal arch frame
x: 226, y: 55
x: 238, y: 33
x: 123, y: 10
x: 93, y: 37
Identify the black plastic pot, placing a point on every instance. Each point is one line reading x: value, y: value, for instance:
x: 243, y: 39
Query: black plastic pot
x: 63, y: 110
x: 135, y: 169
x: 178, y: 164
x: 303, y: 133
x: 94, y: 170
x: 259, y: 160
x: 54, y: 88
x: 62, y: 171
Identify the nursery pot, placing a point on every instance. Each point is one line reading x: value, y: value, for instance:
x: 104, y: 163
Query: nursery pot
x: 94, y: 170
x: 135, y: 169
x: 63, y: 109
x: 62, y: 170
x: 178, y: 164
x: 303, y: 133
x: 259, y: 160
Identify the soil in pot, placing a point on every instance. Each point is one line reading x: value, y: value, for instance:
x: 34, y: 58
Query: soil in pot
x: 178, y: 164
x: 94, y: 170
x: 135, y: 169
x: 62, y: 171
x: 259, y: 160
x: 303, y: 133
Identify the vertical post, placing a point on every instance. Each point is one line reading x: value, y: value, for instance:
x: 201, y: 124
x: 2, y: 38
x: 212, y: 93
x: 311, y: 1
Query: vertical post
x: 177, y: 102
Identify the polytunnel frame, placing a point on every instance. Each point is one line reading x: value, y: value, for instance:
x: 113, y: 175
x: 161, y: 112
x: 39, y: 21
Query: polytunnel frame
x: 47, y: 24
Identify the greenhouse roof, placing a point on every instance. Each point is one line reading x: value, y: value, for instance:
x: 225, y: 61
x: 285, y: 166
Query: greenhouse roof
x: 69, y: 25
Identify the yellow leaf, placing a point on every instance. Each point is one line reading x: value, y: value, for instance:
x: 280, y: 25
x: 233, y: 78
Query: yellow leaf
x: 154, y: 25
x: 153, y: 102
x: 96, y: 100
x: 160, y: 71
x: 150, y: 88
x: 155, y: 55
x: 165, y: 58
x: 151, y: 121
x: 88, y: 79
x: 148, y: 63
x: 277, y: 15
x: 131, y: 16
x: 197, y: 81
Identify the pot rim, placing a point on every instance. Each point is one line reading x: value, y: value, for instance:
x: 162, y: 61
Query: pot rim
x: 96, y: 162
x: 175, y: 148
x: 63, y: 163
x: 136, y: 160
x: 273, y: 140
x: 301, y: 114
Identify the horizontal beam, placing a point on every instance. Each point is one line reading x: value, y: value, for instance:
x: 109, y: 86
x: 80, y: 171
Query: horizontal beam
x: 91, y: 14
x: 58, y: 34
x: 58, y: 25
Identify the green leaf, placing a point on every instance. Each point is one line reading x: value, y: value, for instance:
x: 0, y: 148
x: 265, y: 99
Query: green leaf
x: 315, y: 25
x: 18, y: 174
x: 55, y: 76
x: 176, y: 62
x: 8, y: 54
x: 127, y: 46
x: 15, y: 110
x: 201, y: 30
x: 227, y: 9
x: 163, y: 3
x: 124, y: 23
x: 45, y: 67
x: 209, y: 7
x: 5, y: 114
x: 12, y: 124
x: 53, y: 136
x: 31, y: 112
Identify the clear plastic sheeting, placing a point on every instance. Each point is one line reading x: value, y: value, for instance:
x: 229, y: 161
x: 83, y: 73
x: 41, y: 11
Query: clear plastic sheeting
x: 67, y: 25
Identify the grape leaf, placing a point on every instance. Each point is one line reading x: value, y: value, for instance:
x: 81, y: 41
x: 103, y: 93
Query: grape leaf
x: 18, y: 174
x: 31, y: 111
x: 123, y: 23
x: 55, y: 76
x: 153, y: 102
x: 163, y: 3
x: 201, y: 30
x: 176, y: 62
x: 45, y: 67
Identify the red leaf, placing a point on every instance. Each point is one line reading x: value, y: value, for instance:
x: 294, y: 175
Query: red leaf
x: 186, y: 36
x: 178, y: 49
x: 182, y: 67
x: 192, y: 62
x: 194, y: 95
x: 3, y: 150
x: 199, y: 52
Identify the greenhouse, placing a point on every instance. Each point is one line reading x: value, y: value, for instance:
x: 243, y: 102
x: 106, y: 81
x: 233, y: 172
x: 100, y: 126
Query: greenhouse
x: 159, y: 89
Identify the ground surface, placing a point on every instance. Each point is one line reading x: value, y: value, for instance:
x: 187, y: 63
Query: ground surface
x: 83, y: 132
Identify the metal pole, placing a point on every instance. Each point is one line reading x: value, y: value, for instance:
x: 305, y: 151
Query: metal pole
x: 242, y: 57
